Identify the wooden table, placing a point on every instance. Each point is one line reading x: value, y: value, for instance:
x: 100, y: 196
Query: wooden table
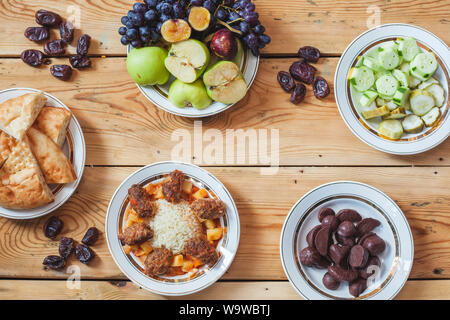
x: 124, y: 131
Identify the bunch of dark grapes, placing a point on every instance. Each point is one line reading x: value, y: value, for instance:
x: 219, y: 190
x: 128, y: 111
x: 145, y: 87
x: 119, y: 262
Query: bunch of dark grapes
x: 142, y: 25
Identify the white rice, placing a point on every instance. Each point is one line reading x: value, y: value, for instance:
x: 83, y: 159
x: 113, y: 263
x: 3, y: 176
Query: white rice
x: 173, y: 225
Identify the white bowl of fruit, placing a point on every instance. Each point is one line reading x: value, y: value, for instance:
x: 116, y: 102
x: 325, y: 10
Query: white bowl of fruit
x: 193, y: 58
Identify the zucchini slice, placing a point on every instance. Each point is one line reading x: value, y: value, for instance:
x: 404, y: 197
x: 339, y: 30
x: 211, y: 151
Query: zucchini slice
x: 392, y: 129
x: 438, y: 93
x: 421, y: 102
x: 368, y: 97
x: 398, y: 113
x: 424, y: 65
x: 432, y: 117
x: 402, y: 77
x: 386, y: 86
x: 371, y: 63
x: 362, y: 78
x: 427, y: 83
x: 412, y: 124
x: 401, y: 95
x: 388, y: 58
x: 378, y: 112
x: 391, y: 105
x: 408, y: 48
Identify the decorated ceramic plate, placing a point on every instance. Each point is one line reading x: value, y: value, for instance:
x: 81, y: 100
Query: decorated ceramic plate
x: 396, y: 258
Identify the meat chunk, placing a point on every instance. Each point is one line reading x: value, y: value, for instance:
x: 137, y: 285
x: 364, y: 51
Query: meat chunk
x: 209, y: 208
x: 136, y: 234
x: 173, y: 186
x: 201, y: 249
x: 158, y: 261
x: 141, y: 201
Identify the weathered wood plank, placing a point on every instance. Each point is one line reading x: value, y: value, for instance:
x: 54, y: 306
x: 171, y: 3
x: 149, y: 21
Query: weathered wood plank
x: 119, y: 122
x: 328, y: 25
x: 243, y: 290
x: 420, y: 192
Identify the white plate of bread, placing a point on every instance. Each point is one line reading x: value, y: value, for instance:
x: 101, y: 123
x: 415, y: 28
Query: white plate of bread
x: 42, y: 153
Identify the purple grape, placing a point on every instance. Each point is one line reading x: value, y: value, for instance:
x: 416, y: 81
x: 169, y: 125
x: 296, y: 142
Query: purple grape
x: 124, y: 20
x: 129, y: 25
x: 164, y: 17
x: 244, y: 27
x: 166, y: 9
x: 122, y: 31
x: 178, y: 11
x: 144, y: 31
x: 124, y: 40
x: 251, y: 18
x: 150, y: 15
x: 156, y: 36
x: 208, y: 4
x: 151, y: 3
x: 196, y: 3
x: 222, y: 14
x: 259, y: 29
x: 234, y: 16
x: 140, y: 7
x: 132, y: 34
x: 264, y: 39
x: 252, y: 40
x: 250, y: 7
x: 137, y: 43
x: 228, y: 3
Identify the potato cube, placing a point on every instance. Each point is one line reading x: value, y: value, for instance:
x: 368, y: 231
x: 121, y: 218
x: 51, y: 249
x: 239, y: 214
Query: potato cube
x: 210, y: 224
x: 150, y: 188
x: 188, y: 265
x: 127, y: 249
x: 214, y: 234
x: 158, y: 193
x: 177, y: 261
x: 146, y: 247
x: 197, y: 263
x: 187, y: 187
x: 200, y: 194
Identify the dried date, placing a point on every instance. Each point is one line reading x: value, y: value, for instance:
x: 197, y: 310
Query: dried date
x: 53, y: 227
x: 80, y: 62
x: 285, y: 80
x: 303, y: 72
x: 298, y: 94
x: 55, y: 48
x: 83, y: 45
x: 84, y: 253
x: 37, y: 34
x: 48, y: 18
x: 91, y: 236
x: 309, y: 53
x: 66, y: 30
x: 321, y: 88
x: 34, y: 58
x: 54, y: 262
x: 66, y: 246
x: 61, y: 71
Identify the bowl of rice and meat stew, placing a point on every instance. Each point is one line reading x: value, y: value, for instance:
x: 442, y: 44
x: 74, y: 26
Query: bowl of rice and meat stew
x: 172, y: 228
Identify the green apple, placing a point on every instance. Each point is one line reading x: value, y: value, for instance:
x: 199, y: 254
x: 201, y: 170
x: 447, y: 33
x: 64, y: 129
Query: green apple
x: 187, y: 60
x: 194, y: 94
x: 146, y: 66
x: 224, y: 82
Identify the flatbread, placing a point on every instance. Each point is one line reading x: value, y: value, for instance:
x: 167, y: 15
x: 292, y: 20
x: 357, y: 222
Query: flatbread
x: 53, y: 122
x: 54, y: 164
x: 18, y: 114
x: 22, y: 185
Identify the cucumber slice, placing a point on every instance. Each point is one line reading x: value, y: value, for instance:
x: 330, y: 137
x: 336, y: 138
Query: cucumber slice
x: 386, y: 86
x: 432, y: 117
x: 401, y: 95
x: 379, y: 112
x: 368, y: 97
x: 388, y: 58
x: 362, y: 78
x: 408, y: 48
x: 438, y: 93
x: 413, y: 82
x: 391, y: 128
x: 405, y: 67
x: 380, y: 102
x: 391, y: 105
x: 421, y: 102
x: 402, y: 77
x: 424, y: 65
x: 370, y: 107
x: 371, y: 63
x: 427, y: 83
x: 398, y: 113
x: 412, y: 124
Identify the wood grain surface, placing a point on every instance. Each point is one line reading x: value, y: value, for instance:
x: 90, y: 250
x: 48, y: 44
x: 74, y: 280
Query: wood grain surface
x: 291, y: 23
x: 426, y: 206
x: 118, y: 122
x: 230, y: 290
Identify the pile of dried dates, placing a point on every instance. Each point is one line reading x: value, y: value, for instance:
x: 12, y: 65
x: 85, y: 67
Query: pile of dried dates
x: 302, y: 71
x: 56, y: 48
x: 52, y: 228
x: 345, y: 244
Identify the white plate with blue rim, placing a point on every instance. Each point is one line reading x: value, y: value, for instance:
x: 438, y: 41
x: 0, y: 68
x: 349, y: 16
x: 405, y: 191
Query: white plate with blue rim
x: 74, y: 148
x: 346, y: 95
x: 396, y: 259
x: 158, y: 94
x: 172, y: 285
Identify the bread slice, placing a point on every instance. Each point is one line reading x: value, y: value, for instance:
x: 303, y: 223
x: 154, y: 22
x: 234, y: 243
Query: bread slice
x: 22, y: 185
x: 18, y: 114
x: 54, y: 164
x: 53, y: 122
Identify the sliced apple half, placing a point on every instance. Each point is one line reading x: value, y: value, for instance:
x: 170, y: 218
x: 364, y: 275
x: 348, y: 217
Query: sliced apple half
x: 187, y: 60
x: 225, y: 83
x: 185, y: 95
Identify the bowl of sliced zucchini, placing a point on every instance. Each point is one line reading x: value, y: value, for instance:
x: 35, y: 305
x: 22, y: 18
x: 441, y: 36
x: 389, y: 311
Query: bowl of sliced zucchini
x: 392, y: 86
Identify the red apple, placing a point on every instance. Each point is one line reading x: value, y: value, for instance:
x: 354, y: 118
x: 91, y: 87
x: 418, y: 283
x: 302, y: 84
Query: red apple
x: 224, y: 44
